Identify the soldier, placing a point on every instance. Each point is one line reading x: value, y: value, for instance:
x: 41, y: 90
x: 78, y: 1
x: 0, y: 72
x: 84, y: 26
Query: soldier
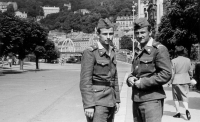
x: 98, y: 79
x: 151, y: 68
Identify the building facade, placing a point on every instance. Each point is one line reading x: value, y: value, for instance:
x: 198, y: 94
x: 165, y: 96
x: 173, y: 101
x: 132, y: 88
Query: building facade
x: 125, y: 23
x: 69, y: 6
x: 21, y: 14
x: 4, y: 5
x: 76, y: 42
x: 50, y: 10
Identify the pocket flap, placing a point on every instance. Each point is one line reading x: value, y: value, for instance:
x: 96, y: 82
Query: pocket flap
x: 146, y: 59
x: 114, y: 61
x: 98, y: 88
x: 102, y: 62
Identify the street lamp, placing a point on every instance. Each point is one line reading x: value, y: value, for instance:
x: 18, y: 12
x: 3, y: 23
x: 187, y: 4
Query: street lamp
x: 134, y: 5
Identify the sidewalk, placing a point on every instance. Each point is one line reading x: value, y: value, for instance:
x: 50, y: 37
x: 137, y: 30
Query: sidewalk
x: 125, y: 112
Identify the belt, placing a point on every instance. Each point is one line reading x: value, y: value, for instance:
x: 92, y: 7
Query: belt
x: 103, y: 83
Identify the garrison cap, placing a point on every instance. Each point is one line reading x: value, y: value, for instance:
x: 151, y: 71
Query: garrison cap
x: 140, y: 23
x: 105, y: 23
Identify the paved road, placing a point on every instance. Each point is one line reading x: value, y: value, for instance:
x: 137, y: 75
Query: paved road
x: 52, y: 95
x: 49, y: 95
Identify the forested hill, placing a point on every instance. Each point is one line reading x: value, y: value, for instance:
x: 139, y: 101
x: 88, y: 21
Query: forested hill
x: 67, y: 20
x: 76, y: 4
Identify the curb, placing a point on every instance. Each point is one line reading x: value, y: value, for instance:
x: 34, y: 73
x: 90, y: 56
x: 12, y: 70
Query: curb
x: 121, y: 114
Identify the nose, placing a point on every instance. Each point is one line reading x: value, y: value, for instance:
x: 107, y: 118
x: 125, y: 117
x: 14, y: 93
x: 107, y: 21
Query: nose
x: 139, y: 35
x: 108, y: 37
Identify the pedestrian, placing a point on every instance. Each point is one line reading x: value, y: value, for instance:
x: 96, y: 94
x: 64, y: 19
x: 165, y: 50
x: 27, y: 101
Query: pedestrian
x: 99, y: 79
x: 151, y: 68
x: 62, y: 61
x: 10, y: 61
x: 183, y: 72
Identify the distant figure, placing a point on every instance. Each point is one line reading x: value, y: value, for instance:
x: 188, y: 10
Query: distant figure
x: 10, y: 61
x: 181, y: 80
x: 99, y: 79
x: 62, y: 61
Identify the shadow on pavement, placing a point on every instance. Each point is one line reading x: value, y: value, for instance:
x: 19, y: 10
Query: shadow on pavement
x: 13, y: 71
x: 193, y: 103
x: 169, y: 113
x: 38, y: 70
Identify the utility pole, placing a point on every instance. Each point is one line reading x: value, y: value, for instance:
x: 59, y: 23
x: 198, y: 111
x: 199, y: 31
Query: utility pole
x: 134, y: 5
x: 139, y: 10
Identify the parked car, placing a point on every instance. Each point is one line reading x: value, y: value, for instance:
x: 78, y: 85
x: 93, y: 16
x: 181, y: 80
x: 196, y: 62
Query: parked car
x: 55, y: 61
x: 72, y: 60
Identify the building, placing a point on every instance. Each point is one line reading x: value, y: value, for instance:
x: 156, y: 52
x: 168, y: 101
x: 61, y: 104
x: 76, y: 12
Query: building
x: 21, y: 14
x: 76, y: 42
x: 125, y: 23
x: 50, y: 10
x: 83, y: 11
x: 69, y: 6
x: 143, y: 7
x: 4, y: 5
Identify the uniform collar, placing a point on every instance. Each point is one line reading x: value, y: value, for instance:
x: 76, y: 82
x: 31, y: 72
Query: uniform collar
x: 147, y: 48
x: 102, y: 50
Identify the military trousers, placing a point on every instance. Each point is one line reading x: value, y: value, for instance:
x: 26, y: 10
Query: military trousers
x: 149, y: 111
x: 103, y: 114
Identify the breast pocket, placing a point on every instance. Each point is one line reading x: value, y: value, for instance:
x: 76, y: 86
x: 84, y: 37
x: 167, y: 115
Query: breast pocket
x: 102, y: 67
x: 146, y: 65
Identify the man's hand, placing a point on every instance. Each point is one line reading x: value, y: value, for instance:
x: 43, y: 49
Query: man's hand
x: 131, y: 80
x: 117, y: 107
x: 137, y: 83
x: 89, y: 112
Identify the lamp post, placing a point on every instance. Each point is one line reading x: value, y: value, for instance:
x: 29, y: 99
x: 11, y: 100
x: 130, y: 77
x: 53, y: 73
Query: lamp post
x: 134, y: 5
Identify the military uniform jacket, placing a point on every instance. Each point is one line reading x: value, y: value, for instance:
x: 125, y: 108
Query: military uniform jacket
x: 153, y: 67
x: 98, y: 66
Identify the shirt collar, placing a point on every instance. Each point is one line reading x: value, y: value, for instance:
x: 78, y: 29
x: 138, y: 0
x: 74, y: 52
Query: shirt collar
x: 147, y: 48
x: 102, y: 50
x: 150, y: 42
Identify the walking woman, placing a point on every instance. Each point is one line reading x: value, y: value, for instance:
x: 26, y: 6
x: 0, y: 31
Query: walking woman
x: 181, y: 81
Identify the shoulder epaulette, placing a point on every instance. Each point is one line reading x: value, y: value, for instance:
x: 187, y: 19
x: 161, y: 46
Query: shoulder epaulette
x: 158, y: 45
x: 92, y: 48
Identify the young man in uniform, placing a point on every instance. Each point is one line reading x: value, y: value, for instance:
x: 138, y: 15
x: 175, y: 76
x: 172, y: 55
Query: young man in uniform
x: 151, y: 68
x: 98, y: 79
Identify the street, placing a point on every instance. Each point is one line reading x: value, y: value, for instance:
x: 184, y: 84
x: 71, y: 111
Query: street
x: 52, y: 94
x: 49, y: 95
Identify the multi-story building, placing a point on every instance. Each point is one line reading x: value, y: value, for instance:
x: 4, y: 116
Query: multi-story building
x: 76, y: 42
x: 50, y: 10
x: 125, y: 23
x: 4, y: 5
x: 143, y: 6
x: 21, y: 14
x: 69, y: 6
x: 83, y: 11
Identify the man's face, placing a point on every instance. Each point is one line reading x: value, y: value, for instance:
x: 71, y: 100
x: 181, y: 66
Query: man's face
x: 142, y: 35
x: 106, y: 36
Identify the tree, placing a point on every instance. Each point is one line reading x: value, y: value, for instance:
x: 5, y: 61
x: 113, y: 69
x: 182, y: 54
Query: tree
x: 10, y: 9
x: 51, y: 52
x: 180, y: 25
x: 126, y: 43
x: 20, y: 37
x: 39, y: 52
